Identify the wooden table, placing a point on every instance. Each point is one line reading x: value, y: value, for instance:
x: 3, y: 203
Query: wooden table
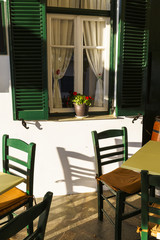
x: 8, y: 181
x: 147, y: 158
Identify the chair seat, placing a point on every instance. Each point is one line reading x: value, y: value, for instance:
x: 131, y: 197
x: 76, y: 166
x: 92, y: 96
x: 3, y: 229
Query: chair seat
x: 122, y: 179
x: 12, y: 199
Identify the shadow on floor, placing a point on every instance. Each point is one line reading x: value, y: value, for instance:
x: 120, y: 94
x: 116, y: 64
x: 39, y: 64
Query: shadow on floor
x: 74, y: 217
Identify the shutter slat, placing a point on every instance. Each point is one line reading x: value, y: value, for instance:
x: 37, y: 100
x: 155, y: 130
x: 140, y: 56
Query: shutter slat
x: 28, y: 59
x: 133, y: 51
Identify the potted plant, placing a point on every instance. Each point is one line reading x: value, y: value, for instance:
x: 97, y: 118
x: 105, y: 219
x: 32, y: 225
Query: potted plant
x: 81, y: 103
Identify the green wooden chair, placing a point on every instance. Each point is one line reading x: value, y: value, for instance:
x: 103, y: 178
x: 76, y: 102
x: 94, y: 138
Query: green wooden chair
x: 150, y: 214
x: 18, y: 159
x: 40, y: 210
x: 122, y: 183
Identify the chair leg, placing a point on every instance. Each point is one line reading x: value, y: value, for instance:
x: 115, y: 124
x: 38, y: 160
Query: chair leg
x: 30, y: 229
x: 119, y: 211
x: 30, y: 226
x: 152, y: 191
x: 123, y: 202
x: 100, y: 200
x: 144, y: 236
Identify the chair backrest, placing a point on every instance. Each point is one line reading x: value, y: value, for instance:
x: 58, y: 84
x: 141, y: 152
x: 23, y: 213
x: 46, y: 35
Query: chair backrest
x: 150, y: 212
x: 18, y: 159
x: 40, y: 210
x: 116, y: 152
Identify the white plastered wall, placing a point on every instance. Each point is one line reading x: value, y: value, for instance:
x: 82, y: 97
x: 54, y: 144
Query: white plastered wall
x: 64, y: 161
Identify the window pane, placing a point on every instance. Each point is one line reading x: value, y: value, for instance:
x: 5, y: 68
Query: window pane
x: 64, y: 3
x: 61, y: 51
x: 89, y: 78
x: 91, y: 82
x: 84, y: 4
x: 62, y: 32
x: 62, y: 69
x: 67, y: 84
x: 96, y: 4
x: 95, y: 43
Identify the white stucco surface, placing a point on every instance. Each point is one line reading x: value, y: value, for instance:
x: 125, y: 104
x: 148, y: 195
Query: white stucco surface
x: 64, y: 162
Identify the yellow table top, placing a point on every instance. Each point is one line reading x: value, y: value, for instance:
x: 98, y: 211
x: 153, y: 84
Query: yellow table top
x: 147, y: 158
x: 8, y: 181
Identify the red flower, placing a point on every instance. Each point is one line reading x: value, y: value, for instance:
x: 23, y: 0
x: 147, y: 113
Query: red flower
x: 58, y: 72
x: 87, y: 98
x: 74, y: 93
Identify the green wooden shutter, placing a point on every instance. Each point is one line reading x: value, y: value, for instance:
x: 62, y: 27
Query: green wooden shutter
x: 27, y: 35
x: 132, y: 57
x: 3, y: 47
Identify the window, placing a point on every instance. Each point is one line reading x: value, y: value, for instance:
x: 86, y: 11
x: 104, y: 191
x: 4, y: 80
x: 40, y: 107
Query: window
x: 78, y: 60
x: 28, y: 53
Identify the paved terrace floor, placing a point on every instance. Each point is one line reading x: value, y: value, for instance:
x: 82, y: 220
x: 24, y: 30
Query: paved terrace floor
x: 74, y: 217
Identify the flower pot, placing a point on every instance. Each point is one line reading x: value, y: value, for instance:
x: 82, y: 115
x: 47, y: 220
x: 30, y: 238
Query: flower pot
x: 81, y: 110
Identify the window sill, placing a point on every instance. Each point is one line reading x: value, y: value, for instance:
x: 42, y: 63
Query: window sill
x: 71, y: 118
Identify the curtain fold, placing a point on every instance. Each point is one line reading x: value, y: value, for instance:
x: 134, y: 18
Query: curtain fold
x: 63, y: 3
x: 93, y: 36
x: 96, y: 4
x: 62, y: 35
x: 86, y: 4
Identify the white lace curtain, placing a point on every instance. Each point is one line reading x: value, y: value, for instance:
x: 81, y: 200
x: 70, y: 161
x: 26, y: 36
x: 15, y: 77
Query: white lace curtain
x: 96, y: 4
x: 63, y: 3
x: 62, y: 35
x: 94, y: 36
x: 86, y: 4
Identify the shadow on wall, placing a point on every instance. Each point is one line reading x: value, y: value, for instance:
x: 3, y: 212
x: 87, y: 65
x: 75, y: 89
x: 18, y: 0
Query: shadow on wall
x: 136, y: 145
x: 74, y: 175
x: 26, y: 124
x: 5, y: 74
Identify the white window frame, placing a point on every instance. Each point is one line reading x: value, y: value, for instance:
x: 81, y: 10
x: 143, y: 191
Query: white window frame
x: 78, y: 56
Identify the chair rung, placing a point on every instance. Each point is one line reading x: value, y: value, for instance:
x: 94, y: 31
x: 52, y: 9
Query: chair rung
x: 131, y: 214
x: 17, y: 169
x: 154, y: 199
x: 154, y: 219
x: 111, y: 154
x: 127, y: 203
x: 2, y: 223
x: 106, y: 199
x: 112, y: 161
x: 17, y: 160
x: 154, y: 210
x: 111, y: 196
x: 108, y: 217
x: 110, y: 189
x: 111, y: 147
